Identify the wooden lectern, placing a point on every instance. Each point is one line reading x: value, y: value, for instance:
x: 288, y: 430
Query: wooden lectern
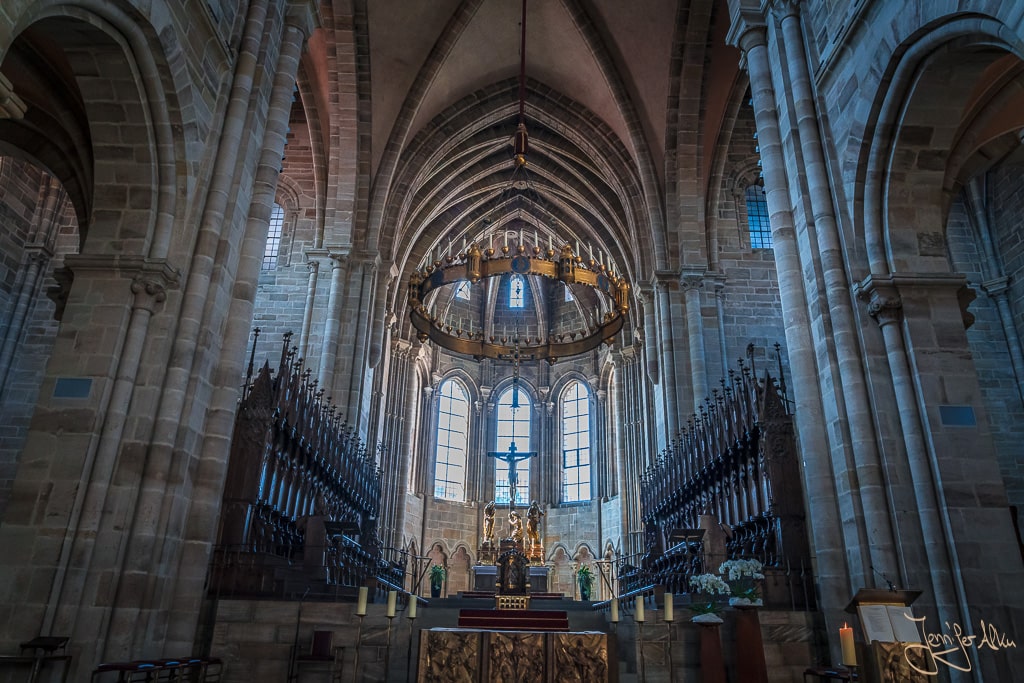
x: 886, y: 621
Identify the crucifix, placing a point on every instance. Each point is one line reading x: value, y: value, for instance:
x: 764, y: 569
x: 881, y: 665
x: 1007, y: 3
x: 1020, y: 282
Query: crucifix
x: 512, y: 457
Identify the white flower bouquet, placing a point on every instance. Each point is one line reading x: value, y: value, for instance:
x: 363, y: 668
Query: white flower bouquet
x: 706, y: 589
x: 744, y: 577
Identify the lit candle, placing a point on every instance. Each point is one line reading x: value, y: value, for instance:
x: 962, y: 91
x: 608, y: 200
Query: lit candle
x: 668, y: 607
x: 361, y: 604
x: 412, y: 607
x: 615, y: 610
x: 849, y: 651
x: 639, y: 616
x: 392, y: 599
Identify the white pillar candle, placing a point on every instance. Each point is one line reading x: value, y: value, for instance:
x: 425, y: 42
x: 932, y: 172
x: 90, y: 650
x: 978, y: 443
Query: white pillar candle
x: 669, y: 616
x: 361, y: 604
x: 412, y: 607
x: 849, y: 650
x: 392, y: 599
x: 615, y: 610
x: 639, y: 615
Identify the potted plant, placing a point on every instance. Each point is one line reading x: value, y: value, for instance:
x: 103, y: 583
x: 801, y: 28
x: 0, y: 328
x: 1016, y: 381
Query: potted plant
x: 744, y: 577
x: 585, y: 579
x: 437, y: 574
x: 704, y: 598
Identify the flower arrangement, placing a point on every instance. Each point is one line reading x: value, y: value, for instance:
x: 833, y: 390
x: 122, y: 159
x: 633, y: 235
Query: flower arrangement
x: 743, y: 577
x: 703, y: 602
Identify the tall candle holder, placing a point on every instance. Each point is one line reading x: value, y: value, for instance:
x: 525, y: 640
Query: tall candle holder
x: 411, y: 616
x: 392, y: 599
x: 638, y: 617
x: 669, y: 618
x: 361, y: 613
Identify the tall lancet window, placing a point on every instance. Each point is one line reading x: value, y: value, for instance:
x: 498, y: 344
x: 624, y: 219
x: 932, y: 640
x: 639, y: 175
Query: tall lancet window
x: 273, y: 238
x: 515, y: 291
x: 576, y: 444
x: 452, y: 441
x: 757, y: 218
x: 514, y: 413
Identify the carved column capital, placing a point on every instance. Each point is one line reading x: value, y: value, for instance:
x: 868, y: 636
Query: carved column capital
x: 691, y: 282
x: 785, y: 8
x: 149, y: 293
x: 885, y: 308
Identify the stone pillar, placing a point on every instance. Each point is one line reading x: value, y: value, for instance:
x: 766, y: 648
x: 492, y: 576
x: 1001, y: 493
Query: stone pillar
x: 332, y: 323
x: 313, y: 266
x: 720, y: 312
x: 875, y: 538
x: 691, y: 286
x: 670, y: 387
x: 819, y: 481
x: 886, y: 307
x: 995, y: 284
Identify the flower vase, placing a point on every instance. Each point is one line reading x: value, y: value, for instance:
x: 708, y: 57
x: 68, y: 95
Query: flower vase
x: 712, y: 663
x: 750, y: 666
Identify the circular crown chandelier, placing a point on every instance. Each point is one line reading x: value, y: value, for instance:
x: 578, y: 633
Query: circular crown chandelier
x: 434, y: 285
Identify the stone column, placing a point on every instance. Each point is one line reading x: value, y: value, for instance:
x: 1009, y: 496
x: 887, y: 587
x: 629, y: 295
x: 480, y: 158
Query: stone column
x: 874, y: 533
x: 313, y: 266
x: 996, y: 289
x: 885, y: 306
x: 665, y: 343
x: 819, y: 481
x: 691, y: 286
x: 720, y: 312
x: 332, y: 323
x: 995, y: 284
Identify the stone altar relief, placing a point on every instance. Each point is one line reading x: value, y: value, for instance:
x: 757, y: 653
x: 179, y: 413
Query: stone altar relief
x: 581, y: 657
x: 516, y: 656
x: 449, y: 656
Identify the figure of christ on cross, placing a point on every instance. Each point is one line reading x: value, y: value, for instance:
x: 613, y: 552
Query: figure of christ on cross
x: 512, y: 458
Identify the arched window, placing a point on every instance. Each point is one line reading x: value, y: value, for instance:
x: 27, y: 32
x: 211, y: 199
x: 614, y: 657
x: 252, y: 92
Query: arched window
x: 515, y: 291
x: 273, y: 238
x: 514, y: 412
x: 452, y: 441
x: 757, y: 218
x: 576, y: 444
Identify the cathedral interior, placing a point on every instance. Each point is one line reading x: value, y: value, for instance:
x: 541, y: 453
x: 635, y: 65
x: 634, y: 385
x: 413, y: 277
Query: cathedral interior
x: 315, y: 313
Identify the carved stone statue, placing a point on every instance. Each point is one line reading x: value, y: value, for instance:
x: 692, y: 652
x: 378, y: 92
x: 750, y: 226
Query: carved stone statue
x: 533, y: 524
x: 489, y: 523
x: 515, y: 526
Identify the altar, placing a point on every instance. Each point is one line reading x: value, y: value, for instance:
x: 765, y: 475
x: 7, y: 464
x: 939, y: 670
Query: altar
x: 485, y: 576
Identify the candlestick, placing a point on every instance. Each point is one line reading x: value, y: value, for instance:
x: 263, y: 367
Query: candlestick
x: 668, y: 608
x: 392, y: 599
x: 361, y: 604
x: 846, y: 641
x: 615, y: 610
x: 638, y: 616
